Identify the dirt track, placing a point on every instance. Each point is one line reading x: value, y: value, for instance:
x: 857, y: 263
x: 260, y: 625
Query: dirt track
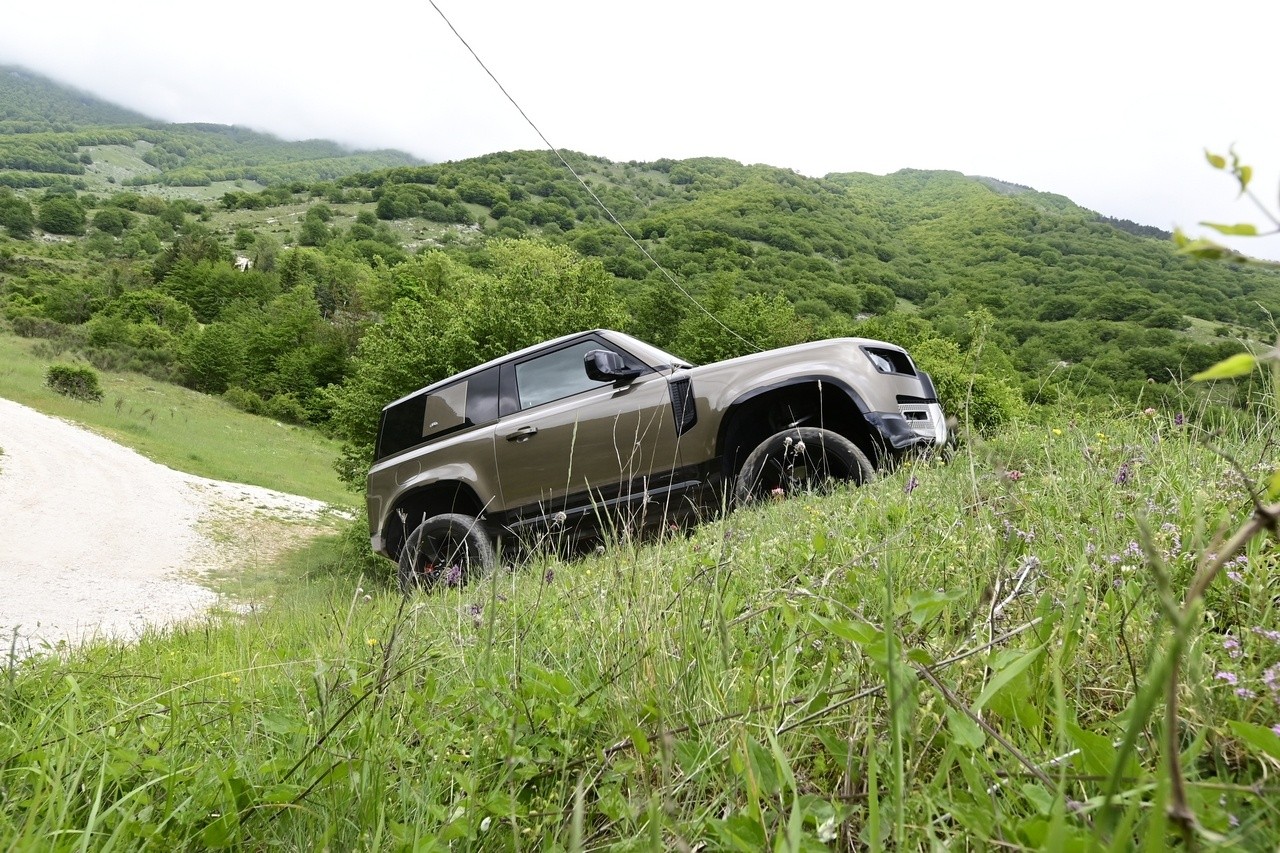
x: 97, y: 540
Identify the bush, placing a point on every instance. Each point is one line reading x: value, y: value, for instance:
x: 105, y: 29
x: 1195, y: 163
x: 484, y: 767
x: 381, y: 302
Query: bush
x: 37, y: 327
x: 244, y: 400
x: 74, y: 380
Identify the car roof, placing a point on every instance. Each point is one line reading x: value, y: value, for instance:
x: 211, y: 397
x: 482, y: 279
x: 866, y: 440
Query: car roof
x: 502, y: 359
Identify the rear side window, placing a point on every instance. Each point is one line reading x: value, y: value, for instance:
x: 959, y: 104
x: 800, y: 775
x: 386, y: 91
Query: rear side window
x: 420, y: 418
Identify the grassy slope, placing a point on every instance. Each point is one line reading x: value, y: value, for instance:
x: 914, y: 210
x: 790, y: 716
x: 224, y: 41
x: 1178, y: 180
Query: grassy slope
x: 728, y: 688
x: 183, y: 429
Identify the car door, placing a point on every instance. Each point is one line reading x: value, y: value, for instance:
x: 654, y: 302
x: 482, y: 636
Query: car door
x: 576, y: 445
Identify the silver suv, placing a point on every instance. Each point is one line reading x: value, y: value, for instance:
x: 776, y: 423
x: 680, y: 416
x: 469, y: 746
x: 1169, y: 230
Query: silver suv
x: 599, y: 429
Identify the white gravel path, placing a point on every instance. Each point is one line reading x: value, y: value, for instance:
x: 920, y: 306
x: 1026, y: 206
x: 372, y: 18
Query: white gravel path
x: 98, y: 541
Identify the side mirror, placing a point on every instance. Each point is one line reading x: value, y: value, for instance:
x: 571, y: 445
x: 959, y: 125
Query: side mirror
x: 603, y: 365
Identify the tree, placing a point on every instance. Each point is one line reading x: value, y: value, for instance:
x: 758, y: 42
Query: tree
x: 112, y: 220
x: 15, y: 214
x: 61, y: 215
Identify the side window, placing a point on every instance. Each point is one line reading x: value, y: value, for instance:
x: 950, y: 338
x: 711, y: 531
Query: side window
x: 445, y: 410
x: 422, y: 417
x: 554, y: 375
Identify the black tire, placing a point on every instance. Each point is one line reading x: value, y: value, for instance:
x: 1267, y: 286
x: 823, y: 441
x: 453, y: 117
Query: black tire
x: 800, y: 459
x: 450, y: 548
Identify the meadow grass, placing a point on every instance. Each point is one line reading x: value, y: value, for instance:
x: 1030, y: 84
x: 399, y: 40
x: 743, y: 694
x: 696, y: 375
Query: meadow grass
x: 183, y: 429
x: 950, y: 655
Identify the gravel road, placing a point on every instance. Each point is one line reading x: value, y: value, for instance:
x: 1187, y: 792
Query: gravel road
x: 98, y: 541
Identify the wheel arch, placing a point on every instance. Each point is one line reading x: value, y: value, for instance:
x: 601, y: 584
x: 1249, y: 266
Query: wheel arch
x: 413, y: 506
x: 813, y: 400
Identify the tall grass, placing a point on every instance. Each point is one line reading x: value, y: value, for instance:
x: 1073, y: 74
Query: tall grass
x: 949, y: 654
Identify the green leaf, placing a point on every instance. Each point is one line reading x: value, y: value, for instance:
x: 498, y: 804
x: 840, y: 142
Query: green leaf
x: 220, y: 833
x: 1240, y: 229
x: 855, y: 632
x: 926, y: 605
x: 1245, y: 174
x: 1273, y: 485
x: 1098, y: 753
x: 1007, y: 674
x: 964, y: 730
x: 740, y: 833
x: 1259, y: 737
x: 1240, y: 364
x: 1217, y: 161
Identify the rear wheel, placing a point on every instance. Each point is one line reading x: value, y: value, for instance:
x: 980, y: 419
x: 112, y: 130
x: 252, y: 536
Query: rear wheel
x: 449, y: 549
x: 800, y: 459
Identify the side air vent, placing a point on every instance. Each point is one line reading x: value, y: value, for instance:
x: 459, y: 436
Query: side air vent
x: 682, y: 406
x: 890, y: 360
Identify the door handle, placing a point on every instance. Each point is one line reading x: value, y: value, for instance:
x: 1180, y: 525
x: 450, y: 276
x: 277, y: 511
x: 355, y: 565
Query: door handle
x: 522, y: 433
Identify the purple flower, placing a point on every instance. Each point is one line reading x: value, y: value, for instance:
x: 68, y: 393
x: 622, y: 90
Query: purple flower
x: 1237, y: 577
x: 1179, y: 419
x: 549, y: 576
x: 453, y: 575
x: 1122, y: 476
x: 1229, y: 677
x: 911, y: 485
x: 1276, y: 729
x: 1245, y: 693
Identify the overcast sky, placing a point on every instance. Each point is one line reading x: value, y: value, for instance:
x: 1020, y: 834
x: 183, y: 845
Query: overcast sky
x: 1109, y: 103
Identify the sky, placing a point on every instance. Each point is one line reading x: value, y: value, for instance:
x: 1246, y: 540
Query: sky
x: 1109, y: 103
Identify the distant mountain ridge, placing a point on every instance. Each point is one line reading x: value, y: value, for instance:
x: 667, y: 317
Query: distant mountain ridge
x: 31, y: 103
x: 46, y: 126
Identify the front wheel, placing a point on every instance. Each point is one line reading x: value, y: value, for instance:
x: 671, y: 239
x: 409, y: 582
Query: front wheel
x: 800, y: 459
x: 449, y: 549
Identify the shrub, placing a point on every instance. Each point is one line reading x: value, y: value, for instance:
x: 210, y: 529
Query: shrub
x: 286, y: 407
x: 244, y: 400
x: 75, y: 381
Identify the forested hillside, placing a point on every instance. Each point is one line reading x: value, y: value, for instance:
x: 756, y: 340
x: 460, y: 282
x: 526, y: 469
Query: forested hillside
x: 315, y: 300
x: 49, y: 133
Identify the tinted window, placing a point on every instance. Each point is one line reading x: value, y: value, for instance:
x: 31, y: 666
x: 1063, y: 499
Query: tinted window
x: 421, y: 417
x: 401, y: 426
x: 555, y: 375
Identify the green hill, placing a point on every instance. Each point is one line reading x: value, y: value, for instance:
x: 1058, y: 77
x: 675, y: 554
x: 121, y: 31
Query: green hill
x: 138, y: 224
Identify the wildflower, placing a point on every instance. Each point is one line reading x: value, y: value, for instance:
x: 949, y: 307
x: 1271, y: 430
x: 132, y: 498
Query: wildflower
x: 549, y: 576
x: 1149, y: 412
x: 368, y: 598
x: 1179, y: 419
x: 1102, y: 436
x: 371, y: 641
x: 475, y: 609
x: 453, y: 576
x: 1122, y: 476
x: 1237, y: 577
x: 1273, y: 636
x: 1057, y: 431
x: 1276, y: 729
x: 779, y: 492
x: 1245, y: 693
x: 1013, y: 474
x: 911, y: 485
x: 1229, y: 677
